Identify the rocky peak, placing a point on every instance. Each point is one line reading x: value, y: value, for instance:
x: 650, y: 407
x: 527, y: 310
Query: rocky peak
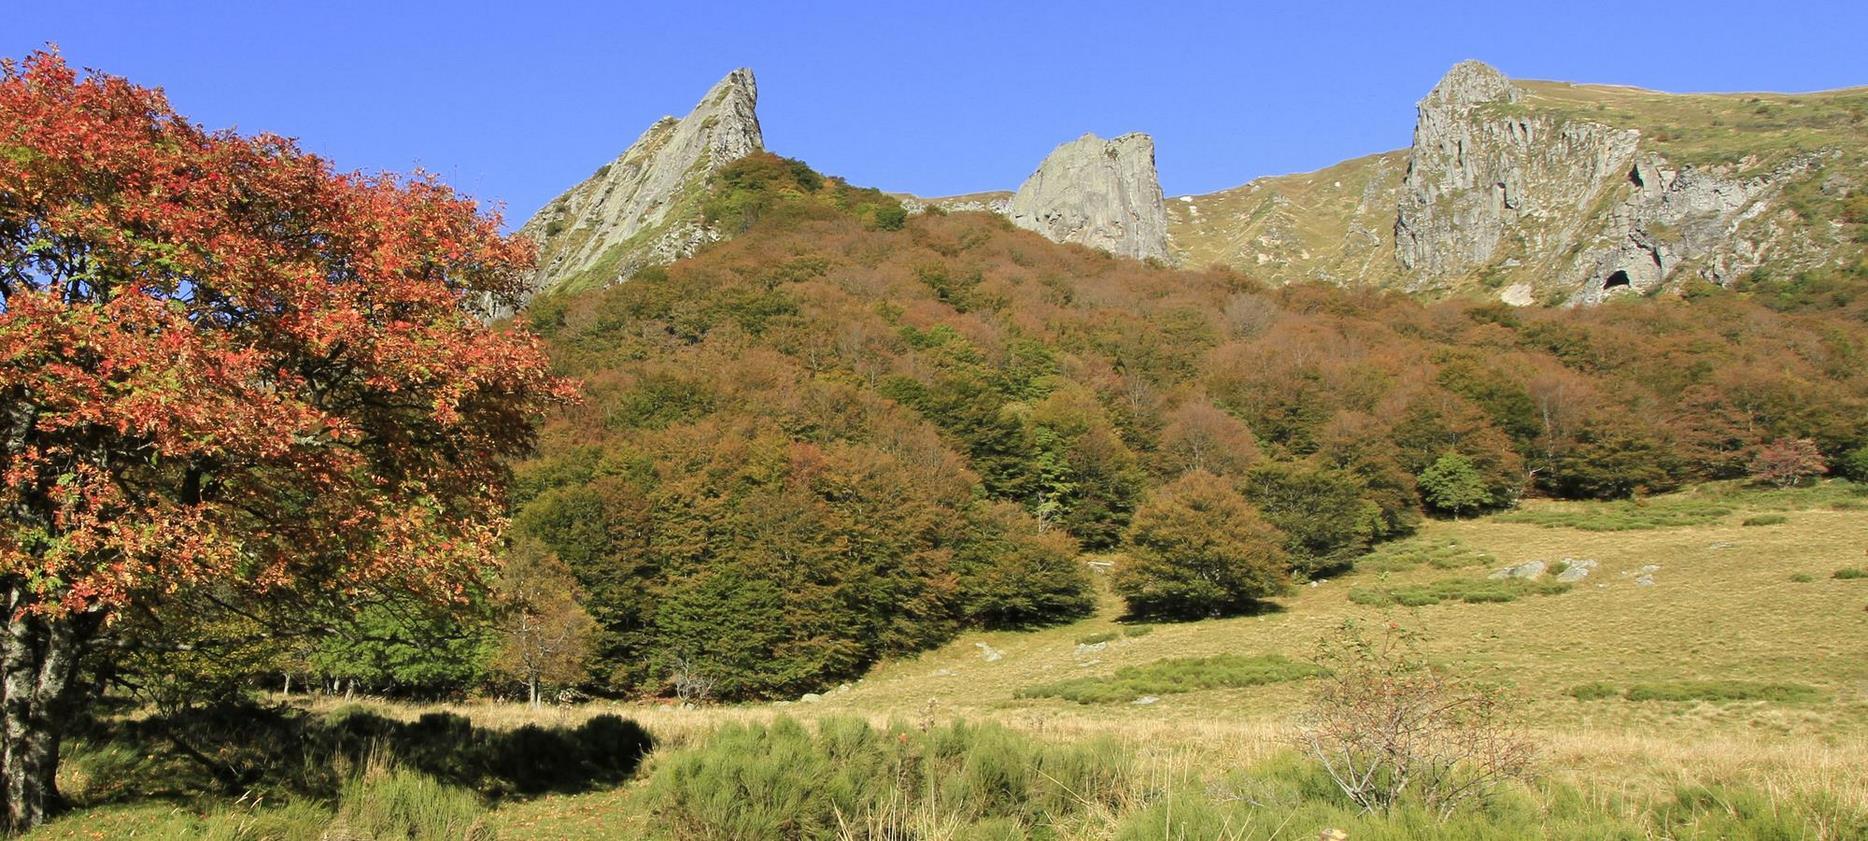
x: 1468, y: 85
x: 1100, y: 193
x: 643, y: 207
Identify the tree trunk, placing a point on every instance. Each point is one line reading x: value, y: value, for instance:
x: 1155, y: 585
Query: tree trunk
x: 531, y: 687
x: 38, y: 660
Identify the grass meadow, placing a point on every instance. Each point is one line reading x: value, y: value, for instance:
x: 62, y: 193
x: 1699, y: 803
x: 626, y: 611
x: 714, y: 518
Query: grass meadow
x: 1708, y: 679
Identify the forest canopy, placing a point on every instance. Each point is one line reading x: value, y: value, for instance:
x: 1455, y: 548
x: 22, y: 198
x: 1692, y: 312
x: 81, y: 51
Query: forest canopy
x: 842, y: 436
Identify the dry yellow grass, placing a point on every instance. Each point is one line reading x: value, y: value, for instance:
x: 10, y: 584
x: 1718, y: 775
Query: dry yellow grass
x: 1723, y: 606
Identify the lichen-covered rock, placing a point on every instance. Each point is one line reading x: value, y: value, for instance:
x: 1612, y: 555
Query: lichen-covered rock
x: 1100, y: 193
x: 643, y: 208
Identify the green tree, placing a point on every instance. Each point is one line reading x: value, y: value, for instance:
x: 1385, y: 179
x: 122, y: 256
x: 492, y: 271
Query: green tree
x: 1452, y: 485
x: 1197, y: 548
x: 1320, y: 510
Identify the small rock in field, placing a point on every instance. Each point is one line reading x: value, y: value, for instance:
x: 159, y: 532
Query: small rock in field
x: 1577, y: 569
x: 810, y: 698
x: 1528, y: 569
x: 1145, y: 700
x: 988, y: 653
x: 1333, y: 835
x: 1086, y: 649
x: 843, y: 687
x: 1644, y: 581
x: 942, y: 673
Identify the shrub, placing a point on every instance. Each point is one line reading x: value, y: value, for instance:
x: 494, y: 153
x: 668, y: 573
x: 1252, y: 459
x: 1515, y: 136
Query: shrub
x: 397, y: 804
x: 1197, y: 548
x: 1444, y: 553
x: 1388, y: 727
x: 1320, y: 510
x: 1453, y: 486
x: 1168, y: 677
x: 1851, y: 573
x: 1854, y: 464
x: 1765, y: 520
x: 1698, y: 690
x: 782, y: 780
x: 1630, y: 515
x: 1469, y: 590
x: 1802, y: 577
x: 1786, y: 462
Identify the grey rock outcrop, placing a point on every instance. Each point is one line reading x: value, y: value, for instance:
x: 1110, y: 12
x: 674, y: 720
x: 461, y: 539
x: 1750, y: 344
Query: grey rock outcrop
x: 1528, y: 569
x: 642, y: 208
x: 1100, y: 193
x: 1577, y: 210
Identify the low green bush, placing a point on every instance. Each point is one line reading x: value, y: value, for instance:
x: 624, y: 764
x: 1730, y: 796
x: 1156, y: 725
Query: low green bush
x: 1468, y: 590
x: 1699, y: 690
x: 1167, y: 677
x: 1630, y: 515
x: 750, y: 782
x: 1765, y: 520
x: 1440, y: 553
x: 1848, y: 573
x: 406, y: 806
x: 1802, y: 577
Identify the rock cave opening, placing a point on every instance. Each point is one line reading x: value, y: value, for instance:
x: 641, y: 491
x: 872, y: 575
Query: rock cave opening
x: 1634, y: 177
x: 1615, y: 280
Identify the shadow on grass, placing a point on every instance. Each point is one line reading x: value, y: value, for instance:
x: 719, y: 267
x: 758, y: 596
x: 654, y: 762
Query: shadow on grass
x: 282, y: 752
x: 1133, y: 616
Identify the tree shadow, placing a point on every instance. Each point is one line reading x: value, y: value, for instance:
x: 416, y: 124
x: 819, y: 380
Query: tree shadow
x: 284, y: 752
x: 1254, y: 608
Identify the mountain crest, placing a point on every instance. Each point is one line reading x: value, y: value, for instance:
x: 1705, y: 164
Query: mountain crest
x: 643, y: 208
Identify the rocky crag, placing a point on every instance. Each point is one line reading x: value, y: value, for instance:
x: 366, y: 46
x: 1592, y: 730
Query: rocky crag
x: 1100, y: 193
x: 1533, y: 192
x: 644, y: 208
x: 1542, y: 192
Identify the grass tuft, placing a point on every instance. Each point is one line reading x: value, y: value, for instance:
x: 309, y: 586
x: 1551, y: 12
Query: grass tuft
x: 1468, y: 590
x: 1765, y: 520
x: 1716, y: 691
x: 1167, y: 677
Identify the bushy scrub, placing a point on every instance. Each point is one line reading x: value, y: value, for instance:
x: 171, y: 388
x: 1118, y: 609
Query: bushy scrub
x: 1197, y: 548
x: 751, y: 782
x: 1629, y: 515
x: 399, y: 805
x: 1167, y: 677
x: 1439, y: 553
x: 1698, y: 690
x: 1468, y: 590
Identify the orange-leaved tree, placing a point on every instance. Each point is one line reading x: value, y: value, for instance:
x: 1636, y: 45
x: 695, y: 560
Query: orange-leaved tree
x: 225, y: 366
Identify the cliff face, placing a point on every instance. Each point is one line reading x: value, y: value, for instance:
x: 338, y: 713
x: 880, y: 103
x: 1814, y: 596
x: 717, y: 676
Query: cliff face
x: 644, y: 207
x: 1541, y: 192
x: 1508, y: 185
x: 1100, y: 193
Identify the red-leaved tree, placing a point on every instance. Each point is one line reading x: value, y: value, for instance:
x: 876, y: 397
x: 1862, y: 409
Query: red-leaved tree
x: 225, y: 366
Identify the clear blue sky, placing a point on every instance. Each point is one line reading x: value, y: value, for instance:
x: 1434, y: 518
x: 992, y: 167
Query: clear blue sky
x: 514, y: 101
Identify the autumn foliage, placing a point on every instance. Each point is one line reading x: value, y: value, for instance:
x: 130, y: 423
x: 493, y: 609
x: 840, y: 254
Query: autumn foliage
x: 225, y: 366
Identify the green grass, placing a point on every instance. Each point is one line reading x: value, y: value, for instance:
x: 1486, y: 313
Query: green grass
x: 1716, y: 691
x: 1802, y: 577
x: 1167, y: 677
x: 1851, y: 573
x: 1439, y: 553
x: 1468, y: 590
x: 1630, y: 515
x: 1099, y: 637
x: 1765, y: 520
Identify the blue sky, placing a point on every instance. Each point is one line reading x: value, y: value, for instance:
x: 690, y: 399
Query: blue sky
x: 513, y: 102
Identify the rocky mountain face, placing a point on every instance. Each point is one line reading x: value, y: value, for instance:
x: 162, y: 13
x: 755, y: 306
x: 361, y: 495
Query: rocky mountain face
x: 1100, y: 193
x: 644, y: 207
x: 1533, y: 192
x: 1542, y: 192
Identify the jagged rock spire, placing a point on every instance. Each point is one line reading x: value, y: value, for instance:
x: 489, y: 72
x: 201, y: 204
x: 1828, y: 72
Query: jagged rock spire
x: 1100, y: 193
